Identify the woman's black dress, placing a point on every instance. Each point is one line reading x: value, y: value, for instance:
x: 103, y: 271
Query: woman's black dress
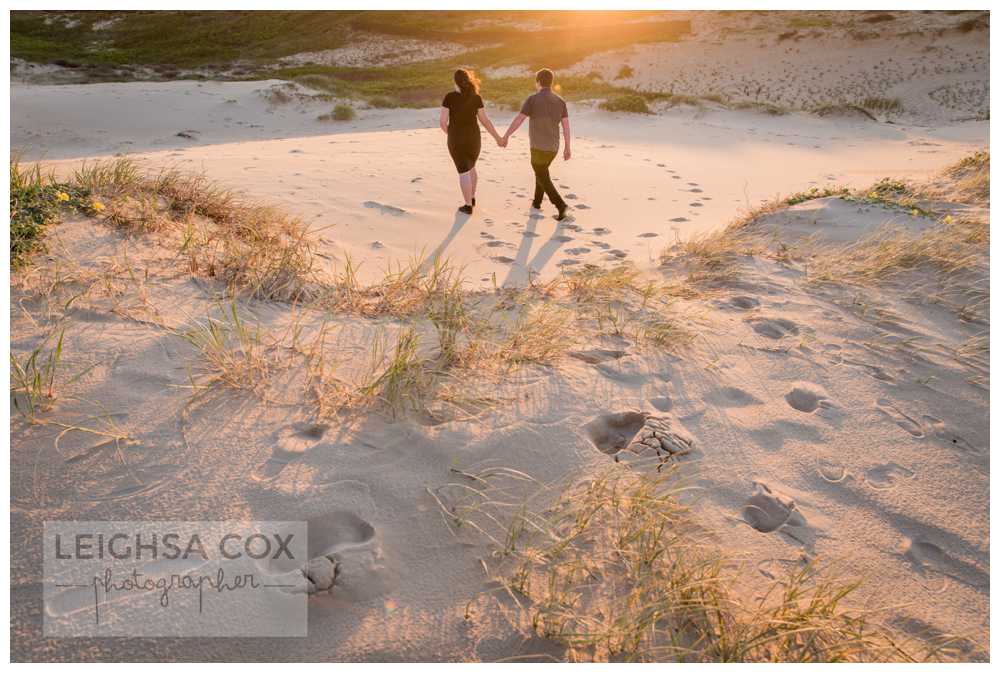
x: 463, y: 129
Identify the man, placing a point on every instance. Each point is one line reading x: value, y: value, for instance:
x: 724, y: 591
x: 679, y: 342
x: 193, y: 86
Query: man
x: 546, y: 112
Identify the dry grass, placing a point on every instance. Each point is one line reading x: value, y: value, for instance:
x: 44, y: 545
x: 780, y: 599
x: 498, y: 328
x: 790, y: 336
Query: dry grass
x: 257, y: 250
x: 542, y: 333
x: 951, y: 246
x: 972, y: 177
x: 233, y: 353
x: 398, y: 376
x: 614, y: 567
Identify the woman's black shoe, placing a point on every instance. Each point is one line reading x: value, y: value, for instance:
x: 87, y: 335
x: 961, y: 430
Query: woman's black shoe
x: 465, y: 209
x: 473, y: 201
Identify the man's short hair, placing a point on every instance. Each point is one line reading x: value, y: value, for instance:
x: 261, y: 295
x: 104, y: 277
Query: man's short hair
x: 544, y: 77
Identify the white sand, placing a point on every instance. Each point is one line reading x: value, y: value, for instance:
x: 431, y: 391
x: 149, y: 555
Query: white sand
x: 861, y: 406
x: 636, y: 182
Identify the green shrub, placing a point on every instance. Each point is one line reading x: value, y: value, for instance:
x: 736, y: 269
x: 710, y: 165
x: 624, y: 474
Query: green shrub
x: 626, y: 103
x: 35, y: 201
x: 625, y: 72
x: 382, y: 102
x: 341, y: 113
x: 34, y: 204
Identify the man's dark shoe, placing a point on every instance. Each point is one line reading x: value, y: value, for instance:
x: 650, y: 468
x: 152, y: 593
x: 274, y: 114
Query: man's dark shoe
x: 473, y: 201
x: 536, y: 205
x: 562, y: 214
x: 465, y: 209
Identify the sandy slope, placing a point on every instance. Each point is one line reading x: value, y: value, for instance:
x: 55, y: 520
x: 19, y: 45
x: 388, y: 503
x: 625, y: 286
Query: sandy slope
x: 841, y: 423
x: 382, y: 188
x: 866, y: 407
x: 935, y: 71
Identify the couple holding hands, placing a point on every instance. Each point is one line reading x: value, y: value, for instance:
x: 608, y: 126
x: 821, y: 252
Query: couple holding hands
x: 461, y: 113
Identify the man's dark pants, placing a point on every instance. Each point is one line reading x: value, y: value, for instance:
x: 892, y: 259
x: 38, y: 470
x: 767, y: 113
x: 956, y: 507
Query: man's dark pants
x: 540, y: 160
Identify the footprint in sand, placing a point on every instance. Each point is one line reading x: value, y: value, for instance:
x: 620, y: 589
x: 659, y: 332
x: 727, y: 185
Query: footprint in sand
x: 695, y: 204
x: 942, y: 433
x: 571, y: 197
x: 648, y: 234
x: 730, y: 396
x: 832, y: 473
x: 290, y: 444
x: 743, y: 303
x: 384, y: 209
x: 807, y: 398
x: 884, y: 477
x: 774, y: 328
x: 502, y: 259
x: 930, y: 559
x: 639, y: 434
x: 767, y: 511
x: 582, y: 206
x: 601, y: 231
x: 597, y: 355
x: 330, y: 536
x: 908, y: 423
x: 679, y: 219
x: 662, y: 403
x: 563, y: 238
x: 567, y: 262
x: 577, y: 251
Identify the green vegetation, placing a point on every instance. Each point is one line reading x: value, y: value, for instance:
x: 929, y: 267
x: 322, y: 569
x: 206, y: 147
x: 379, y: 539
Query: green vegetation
x: 251, y: 42
x: 172, y: 39
x: 625, y: 72
x: 191, y: 39
x: 340, y: 113
x: 35, y: 203
x: 626, y: 103
x: 32, y: 382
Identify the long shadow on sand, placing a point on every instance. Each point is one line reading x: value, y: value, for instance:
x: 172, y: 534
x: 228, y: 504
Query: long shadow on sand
x: 456, y: 226
x: 521, y: 270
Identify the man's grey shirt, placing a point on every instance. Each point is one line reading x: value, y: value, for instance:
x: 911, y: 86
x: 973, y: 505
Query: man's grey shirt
x: 545, y: 111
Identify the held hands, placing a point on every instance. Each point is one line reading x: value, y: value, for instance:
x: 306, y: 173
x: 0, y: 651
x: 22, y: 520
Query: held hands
x: 502, y: 141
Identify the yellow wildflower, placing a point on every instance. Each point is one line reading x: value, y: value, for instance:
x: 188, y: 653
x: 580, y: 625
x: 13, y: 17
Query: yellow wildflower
x: 914, y: 212
x: 948, y: 219
x: 872, y: 195
x: 97, y: 206
x: 62, y: 196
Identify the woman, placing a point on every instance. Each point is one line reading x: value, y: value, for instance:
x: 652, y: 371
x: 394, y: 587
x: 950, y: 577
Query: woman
x: 459, y: 113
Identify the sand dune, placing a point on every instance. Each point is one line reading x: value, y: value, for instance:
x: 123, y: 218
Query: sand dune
x: 636, y: 182
x: 741, y: 308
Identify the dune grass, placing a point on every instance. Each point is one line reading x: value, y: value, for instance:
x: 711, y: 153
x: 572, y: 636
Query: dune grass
x: 955, y: 244
x: 233, y: 353
x: 257, y: 250
x: 633, y: 103
x: 613, y: 566
x: 32, y: 380
x: 340, y: 113
x: 972, y: 176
